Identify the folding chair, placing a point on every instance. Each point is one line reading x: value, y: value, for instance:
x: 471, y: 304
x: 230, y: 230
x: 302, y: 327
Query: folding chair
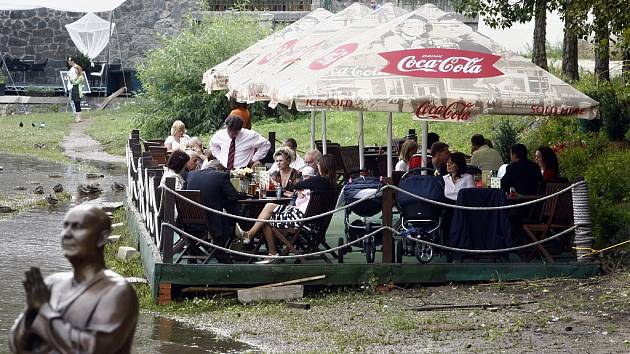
x: 310, y: 235
x: 556, y: 215
x: 193, y: 220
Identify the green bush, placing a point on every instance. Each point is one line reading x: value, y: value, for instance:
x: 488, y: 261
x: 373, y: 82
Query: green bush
x: 506, y: 136
x: 614, y: 100
x: 2, y: 79
x: 171, y: 75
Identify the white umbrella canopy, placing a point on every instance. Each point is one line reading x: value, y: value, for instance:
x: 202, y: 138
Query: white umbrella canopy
x: 319, y: 42
x: 90, y: 34
x: 278, y: 57
x: 428, y: 63
x: 216, y: 78
x: 62, y: 5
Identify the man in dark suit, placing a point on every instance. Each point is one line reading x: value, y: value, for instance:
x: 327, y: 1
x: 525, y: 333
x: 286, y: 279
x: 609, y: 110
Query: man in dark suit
x: 522, y: 173
x: 217, y: 193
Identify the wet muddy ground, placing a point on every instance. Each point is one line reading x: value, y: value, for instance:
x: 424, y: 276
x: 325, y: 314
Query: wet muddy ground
x: 555, y: 315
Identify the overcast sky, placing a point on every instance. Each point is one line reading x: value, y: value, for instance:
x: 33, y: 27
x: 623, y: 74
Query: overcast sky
x: 520, y: 35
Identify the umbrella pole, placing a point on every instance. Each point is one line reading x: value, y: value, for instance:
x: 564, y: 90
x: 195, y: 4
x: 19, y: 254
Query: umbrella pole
x: 361, y: 143
x: 390, y: 142
x: 324, y: 149
x: 425, y: 132
x: 312, y: 130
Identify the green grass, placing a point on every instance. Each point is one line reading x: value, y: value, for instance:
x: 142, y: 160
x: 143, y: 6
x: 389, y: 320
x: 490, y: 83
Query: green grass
x: 22, y: 140
x: 342, y: 127
x: 111, y: 128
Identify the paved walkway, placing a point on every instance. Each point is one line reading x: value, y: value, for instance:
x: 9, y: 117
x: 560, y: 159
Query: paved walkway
x: 81, y: 147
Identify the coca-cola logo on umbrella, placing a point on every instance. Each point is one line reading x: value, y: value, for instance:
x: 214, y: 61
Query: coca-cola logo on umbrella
x: 441, y: 63
x: 281, y: 50
x: 333, y: 56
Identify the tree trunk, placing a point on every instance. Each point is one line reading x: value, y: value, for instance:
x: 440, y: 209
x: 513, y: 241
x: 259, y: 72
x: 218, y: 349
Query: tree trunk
x: 602, y: 48
x: 625, y: 69
x: 539, y: 54
x: 570, y: 47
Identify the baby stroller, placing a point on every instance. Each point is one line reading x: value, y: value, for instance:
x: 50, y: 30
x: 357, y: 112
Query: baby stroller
x: 422, y: 218
x: 356, y: 189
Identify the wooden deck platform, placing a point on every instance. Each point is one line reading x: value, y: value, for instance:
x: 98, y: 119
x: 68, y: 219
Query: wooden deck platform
x: 354, y: 270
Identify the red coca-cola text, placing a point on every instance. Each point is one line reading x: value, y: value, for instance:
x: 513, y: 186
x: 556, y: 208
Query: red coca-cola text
x: 454, y: 111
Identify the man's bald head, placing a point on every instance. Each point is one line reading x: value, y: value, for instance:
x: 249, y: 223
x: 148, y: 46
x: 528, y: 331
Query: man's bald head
x: 85, y: 232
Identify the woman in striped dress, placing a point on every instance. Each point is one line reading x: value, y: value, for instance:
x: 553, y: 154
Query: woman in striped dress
x: 324, y: 183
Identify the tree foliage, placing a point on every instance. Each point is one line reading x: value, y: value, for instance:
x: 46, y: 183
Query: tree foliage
x: 171, y: 75
x: 504, y: 13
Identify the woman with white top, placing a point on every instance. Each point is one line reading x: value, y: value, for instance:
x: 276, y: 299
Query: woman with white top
x: 456, y: 179
x: 178, y: 140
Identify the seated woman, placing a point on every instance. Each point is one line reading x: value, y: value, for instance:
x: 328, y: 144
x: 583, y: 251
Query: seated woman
x: 408, y: 149
x: 324, y: 183
x: 285, y: 176
x: 174, y: 168
x: 456, y: 178
x: 178, y: 140
x: 548, y: 162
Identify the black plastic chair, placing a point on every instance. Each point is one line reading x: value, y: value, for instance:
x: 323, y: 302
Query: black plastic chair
x: 38, y: 67
x: 18, y: 65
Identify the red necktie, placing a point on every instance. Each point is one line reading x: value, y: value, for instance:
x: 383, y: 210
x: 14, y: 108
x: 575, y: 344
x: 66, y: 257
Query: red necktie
x: 231, y: 154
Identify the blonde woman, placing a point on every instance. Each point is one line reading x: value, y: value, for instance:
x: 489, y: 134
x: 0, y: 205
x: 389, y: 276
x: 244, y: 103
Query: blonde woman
x: 409, y: 147
x: 178, y: 140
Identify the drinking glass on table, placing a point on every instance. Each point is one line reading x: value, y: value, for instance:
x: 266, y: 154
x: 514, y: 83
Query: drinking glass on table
x: 262, y: 191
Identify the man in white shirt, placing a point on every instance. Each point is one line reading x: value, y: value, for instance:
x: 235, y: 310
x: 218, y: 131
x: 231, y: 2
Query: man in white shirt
x: 298, y: 163
x: 236, y: 147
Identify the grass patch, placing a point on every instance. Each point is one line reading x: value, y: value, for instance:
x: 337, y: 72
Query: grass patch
x: 112, y: 127
x: 22, y: 140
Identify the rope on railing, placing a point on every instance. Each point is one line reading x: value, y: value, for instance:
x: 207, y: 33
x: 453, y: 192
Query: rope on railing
x: 582, y: 217
x: 238, y: 253
x: 406, y: 234
x: 244, y: 218
x: 427, y: 200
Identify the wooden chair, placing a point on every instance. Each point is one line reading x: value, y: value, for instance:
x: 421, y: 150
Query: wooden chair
x: 158, y: 153
x: 148, y: 144
x: 556, y: 215
x: 193, y: 220
x: 350, y: 161
x: 310, y: 235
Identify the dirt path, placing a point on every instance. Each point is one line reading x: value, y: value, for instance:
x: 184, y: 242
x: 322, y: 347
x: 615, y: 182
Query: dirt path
x: 79, y: 146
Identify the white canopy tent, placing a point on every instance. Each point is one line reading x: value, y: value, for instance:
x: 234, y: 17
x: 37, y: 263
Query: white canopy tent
x: 62, y: 5
x: 91, y: 34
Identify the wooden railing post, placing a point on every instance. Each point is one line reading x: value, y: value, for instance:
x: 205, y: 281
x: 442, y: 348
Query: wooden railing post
x: 169, y: 217
x: 388, y: 204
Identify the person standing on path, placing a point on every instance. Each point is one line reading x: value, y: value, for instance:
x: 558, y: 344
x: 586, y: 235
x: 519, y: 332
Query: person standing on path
x: 75, y: 87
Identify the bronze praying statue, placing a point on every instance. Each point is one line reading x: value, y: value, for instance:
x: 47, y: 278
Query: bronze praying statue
x: 89, y: 310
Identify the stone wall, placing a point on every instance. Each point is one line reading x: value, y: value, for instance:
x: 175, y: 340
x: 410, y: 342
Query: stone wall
x: 41, y: 33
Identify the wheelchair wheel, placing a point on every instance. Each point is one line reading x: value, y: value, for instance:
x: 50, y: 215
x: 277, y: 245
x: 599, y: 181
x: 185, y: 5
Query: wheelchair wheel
x: 400, y: 249
x: 369, y: 249
x: 424, y: 252
x: 341, y: 251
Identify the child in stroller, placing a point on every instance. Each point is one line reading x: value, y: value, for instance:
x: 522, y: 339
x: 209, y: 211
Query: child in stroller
x: 422, y: 218
x: 356, y: 189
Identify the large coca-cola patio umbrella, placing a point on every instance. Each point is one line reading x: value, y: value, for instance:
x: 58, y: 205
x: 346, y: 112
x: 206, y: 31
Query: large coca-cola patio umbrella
x: 427, y: 63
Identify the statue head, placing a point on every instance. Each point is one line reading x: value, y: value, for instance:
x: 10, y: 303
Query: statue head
x: 85, y: 232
